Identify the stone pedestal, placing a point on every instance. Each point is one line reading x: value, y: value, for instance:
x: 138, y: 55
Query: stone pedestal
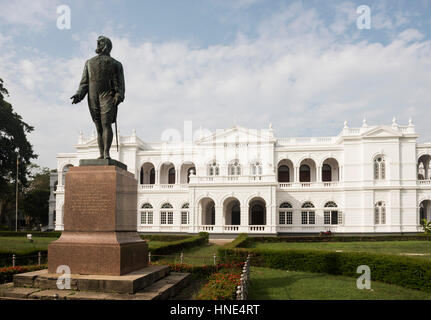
x: 100, y: 220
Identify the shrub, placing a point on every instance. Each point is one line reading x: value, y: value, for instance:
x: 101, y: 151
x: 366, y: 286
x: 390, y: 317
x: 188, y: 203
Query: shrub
x: 205, y: 235
x: 426, y: 225
x: 51, y: 234
x: 335, y: 238
x: 201, y: 271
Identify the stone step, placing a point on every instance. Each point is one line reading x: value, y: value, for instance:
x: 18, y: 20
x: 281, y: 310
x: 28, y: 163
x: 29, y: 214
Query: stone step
x: 162, y: 289
x: 165, y: 288
x: 128, y: 283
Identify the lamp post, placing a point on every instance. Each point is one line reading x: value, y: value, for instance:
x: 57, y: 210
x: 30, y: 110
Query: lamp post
x: 16, y: 191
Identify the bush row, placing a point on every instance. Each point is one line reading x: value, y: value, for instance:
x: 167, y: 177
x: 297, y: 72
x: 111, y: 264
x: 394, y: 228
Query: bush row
x: 202, y: 271
x: 51, y: 234
x: 6, y: 274
x: 424, y: 237
x: 403, y: 271
x: 179, y: 245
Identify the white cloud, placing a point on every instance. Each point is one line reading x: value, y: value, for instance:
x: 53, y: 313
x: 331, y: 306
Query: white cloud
x: 294, y: 75
x: 33, y: 14
x: 411, y: 35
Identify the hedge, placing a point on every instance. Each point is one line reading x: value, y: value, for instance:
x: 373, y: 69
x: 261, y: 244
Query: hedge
x: 203, y: 271
x: 51, y: 234
x: 241, y: 241
x: 403, y: 271
x: 333, y: 238
x: 179, y: 245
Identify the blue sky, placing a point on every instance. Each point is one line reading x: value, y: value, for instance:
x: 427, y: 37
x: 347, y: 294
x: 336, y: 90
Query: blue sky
x: 303, y: 66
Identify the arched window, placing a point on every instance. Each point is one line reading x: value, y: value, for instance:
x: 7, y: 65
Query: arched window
x: 235, y: 168
x: 421, y: 171
x: 256, y: 168
x: 283, y: 173
x: 147, y: 173
x: 379, y: 168
x: 326, y: 173
x: 185, y: 217
x: 167, y: 214
x: 285, y: 213
x: 213, y: 169
x: 147, y: 213
x: 380, y: 213
x: 171, y: 176
x: 331, y: 215
x: 308, y: 215
x: 305, y: 173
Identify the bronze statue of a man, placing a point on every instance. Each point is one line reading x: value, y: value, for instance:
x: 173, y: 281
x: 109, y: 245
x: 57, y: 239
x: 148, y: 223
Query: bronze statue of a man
x: 103, y: 81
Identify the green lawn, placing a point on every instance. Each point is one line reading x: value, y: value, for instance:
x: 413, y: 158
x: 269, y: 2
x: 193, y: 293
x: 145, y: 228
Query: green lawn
x: 197, y: 255
x: 272, y: 284
x: 22, y: 245
x: 382, y: 247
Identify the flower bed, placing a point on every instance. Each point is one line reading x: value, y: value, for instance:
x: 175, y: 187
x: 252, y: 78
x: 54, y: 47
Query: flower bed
x: 6, y: 274
x: 222, y: 278
x: 221, y: 285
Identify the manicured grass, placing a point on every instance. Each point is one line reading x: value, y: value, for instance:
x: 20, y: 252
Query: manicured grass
x: 155, y: 244
x: 383, y: 247
x: 22, y: 245
x: 272, y: 284
x: 200, y: 255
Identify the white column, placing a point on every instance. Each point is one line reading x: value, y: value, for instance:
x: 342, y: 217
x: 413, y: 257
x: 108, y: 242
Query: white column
x: 319, y: 174
x: 218, y: 218
x: 296, y: 176
x: 177, y: 176
x: 244, y: 218
x: 157, y: 178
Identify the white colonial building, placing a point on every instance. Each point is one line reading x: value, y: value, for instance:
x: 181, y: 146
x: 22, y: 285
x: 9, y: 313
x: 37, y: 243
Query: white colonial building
x: 372, y: 179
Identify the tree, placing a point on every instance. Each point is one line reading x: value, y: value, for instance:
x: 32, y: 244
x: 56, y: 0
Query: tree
x: 36, y: 196
x: 13, y: 142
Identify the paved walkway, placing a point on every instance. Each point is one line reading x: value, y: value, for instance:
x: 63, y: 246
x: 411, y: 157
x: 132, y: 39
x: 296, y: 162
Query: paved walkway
x: 220, y: 242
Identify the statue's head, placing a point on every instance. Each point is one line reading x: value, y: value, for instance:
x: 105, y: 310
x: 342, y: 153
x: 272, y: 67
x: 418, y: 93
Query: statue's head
x: 104, y: 45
